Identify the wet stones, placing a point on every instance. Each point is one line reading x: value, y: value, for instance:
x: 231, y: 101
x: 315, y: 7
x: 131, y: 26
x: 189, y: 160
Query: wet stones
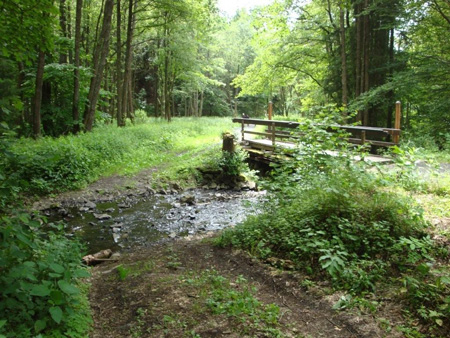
x: 188, y: 199
x: 102, y: 217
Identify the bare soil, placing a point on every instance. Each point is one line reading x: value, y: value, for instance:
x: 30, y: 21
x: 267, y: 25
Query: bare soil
x: 139, y: 304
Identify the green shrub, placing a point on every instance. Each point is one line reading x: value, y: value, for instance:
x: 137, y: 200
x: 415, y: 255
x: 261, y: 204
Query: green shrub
x: 332, y: 221
x: 233, y: 164
x: 39, y: 281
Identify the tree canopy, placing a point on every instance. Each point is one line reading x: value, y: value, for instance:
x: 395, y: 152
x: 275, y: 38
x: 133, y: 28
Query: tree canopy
x: 69, y: 65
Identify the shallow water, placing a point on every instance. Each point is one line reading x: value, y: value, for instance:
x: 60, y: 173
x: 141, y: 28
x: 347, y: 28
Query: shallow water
x: 158, y: 218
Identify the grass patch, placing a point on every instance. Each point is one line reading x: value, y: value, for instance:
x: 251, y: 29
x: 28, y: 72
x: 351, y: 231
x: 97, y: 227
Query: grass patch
x: 70, y: 162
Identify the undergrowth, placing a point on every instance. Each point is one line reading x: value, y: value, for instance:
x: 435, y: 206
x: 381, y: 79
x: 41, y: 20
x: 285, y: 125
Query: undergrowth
x: 237, y: 301
x: 53, y: 165
x: 334, y: 218
x: 41, y: 293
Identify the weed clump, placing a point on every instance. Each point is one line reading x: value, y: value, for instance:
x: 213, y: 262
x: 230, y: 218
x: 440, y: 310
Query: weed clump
x: 331, y: 217
x: 40, y: 288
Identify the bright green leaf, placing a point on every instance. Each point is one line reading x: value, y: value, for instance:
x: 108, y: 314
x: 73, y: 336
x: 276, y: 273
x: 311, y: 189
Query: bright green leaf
x: 56, y: 314
x: 40, y: 291
x: 40, y: 325
x: 68, y: 288
x: 56, y: 267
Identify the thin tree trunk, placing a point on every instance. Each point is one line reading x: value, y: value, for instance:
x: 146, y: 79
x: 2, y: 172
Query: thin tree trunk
x: 130, y: 109
x: 69, y: 30
x: 195, y: 103
x: 119, y: 79
x: 76, y: 84
x: 166, y: 81
x: 85, y: 34
x: 97, y: 26
x: 63, y: 26
x: 235, y: 94
x: 127, y: 88
x: 366, y: 59
x: 101, y: 52
x: 37, y: 100
x: 391, y: 72
x: 200, y: 109
x: 358, y: 56
x: 343, y: 57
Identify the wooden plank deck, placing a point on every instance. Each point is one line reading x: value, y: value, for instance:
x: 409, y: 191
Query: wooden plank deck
x: 264, y: 150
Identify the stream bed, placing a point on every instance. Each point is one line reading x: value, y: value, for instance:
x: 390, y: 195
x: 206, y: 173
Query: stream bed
x: 128, y: 224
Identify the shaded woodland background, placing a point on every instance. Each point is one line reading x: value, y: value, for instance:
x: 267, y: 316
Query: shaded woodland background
x: 67, y: 65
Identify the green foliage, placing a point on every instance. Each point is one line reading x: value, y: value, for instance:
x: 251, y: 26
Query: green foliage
x: 39, y: 283
x: 233, y: 164
x: 122, y: 272
x: 329, y: 215
x: 236, y: 300
x: 70, y: 162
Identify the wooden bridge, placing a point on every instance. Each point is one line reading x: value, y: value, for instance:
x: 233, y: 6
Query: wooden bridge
x: 285, y: 135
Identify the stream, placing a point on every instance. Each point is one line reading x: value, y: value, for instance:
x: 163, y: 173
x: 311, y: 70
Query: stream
x: 128, y: 224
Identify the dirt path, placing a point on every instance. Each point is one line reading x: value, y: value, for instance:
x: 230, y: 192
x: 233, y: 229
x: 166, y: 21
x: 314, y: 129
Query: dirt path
x: 146, y: 295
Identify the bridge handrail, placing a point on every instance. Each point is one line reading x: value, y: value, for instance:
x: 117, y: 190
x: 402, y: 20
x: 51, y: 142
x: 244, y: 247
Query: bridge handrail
x: 290, y: 124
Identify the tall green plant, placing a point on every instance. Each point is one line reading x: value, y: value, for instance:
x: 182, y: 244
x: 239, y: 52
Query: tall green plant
x: 39, y: 290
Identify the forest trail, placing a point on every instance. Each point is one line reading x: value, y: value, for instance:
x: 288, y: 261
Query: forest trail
x: 151, y: 294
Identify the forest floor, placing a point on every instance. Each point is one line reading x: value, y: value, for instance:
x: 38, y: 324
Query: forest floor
x: 190, y: 288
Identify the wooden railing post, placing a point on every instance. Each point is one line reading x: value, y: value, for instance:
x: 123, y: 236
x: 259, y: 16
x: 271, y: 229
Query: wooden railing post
x: 363, y: 137
x: 398, y: 117
x: 242, y: 130
x: 273, y: 134
x: 270, y: 110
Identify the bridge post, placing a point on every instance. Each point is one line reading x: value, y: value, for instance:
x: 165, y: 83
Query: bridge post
x: 398, y: 116
x: 228, y: 142
x: 273, y: 134
x: 270, y: 110
x: 242, y: 131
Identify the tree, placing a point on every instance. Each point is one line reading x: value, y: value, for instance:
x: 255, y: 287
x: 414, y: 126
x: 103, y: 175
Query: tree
x: 76, y: 85
x: 100, y: 54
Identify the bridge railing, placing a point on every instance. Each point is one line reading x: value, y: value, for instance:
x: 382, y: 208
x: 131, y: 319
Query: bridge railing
x: 359, y: 134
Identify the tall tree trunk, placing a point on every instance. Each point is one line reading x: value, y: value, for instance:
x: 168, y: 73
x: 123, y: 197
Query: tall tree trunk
x: 358, y: 56
x: 119, y: 78
x: 97, y: 26
x: 101, y: 52
x: 391, y: 72
x: 63, y: 26
x: 343, y: 57
x: 76, y: 80
x: 37, y: 100
x: 235, y: 94
x: 69, y: 30
x: 200, y: 109
x: 127, y: 100
x: 85, y: 34
x: 166, y: 73
x: 195, y: 99
x: 20, y: 80
x: 366, y: 46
